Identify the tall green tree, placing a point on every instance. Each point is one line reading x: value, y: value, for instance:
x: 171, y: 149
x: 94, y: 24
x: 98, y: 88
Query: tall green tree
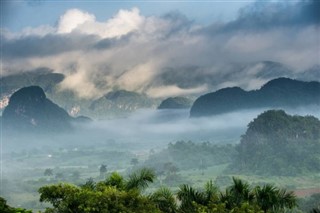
x: 115, y: 194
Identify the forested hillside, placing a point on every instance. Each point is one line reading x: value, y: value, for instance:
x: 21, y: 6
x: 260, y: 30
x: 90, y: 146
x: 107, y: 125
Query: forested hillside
x: 280, y: 144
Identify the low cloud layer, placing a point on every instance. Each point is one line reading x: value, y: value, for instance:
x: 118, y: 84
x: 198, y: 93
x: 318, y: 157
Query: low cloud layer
x: 169, y: 55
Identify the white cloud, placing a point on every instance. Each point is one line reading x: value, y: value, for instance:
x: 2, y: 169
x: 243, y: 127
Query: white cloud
x: 174, y: 90
x: 78, y: 82
x: 124, y: 22
x: 193, y: 59
x: 72, y: 19
x: 138, y: 77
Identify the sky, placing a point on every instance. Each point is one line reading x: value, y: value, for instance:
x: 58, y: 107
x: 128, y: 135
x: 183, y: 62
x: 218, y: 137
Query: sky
x: 161, y: 48
x: 32, y: 13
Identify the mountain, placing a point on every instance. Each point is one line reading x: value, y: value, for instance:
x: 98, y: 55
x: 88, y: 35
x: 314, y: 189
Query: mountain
x: 43, y: 77
x: 276, y: 143
x: 176, y: 103
x: 30, y: 110
x: 120, y: 103
x: 277, y: 93
x: 117, y: 103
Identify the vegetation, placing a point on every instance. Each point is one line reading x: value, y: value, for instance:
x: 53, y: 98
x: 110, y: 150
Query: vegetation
x: 200, y: 155
x: 275, y: 138
x: 5, y: 208
x: 117, y: 194
x: 279, y: 144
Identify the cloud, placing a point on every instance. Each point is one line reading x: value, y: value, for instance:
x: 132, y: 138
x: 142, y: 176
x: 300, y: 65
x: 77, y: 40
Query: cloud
x: 170, y: 55
x: 174, y: 90
x: 72, y: 19
x: 124, y: 22
x: 263, y: 14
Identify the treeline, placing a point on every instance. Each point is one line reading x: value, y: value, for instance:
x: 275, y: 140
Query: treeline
x: 119, y: 194
x: 190, y: 155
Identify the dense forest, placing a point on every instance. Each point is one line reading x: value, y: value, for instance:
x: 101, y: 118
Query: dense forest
x: 280, y: 144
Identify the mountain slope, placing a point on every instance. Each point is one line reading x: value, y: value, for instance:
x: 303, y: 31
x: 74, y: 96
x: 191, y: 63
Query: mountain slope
x: 176, y: 103
x: 281, y: 92
x: 29, y: 110
x: 120, y: 103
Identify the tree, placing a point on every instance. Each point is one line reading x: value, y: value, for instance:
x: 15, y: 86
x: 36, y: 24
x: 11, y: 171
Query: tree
x: 103, y: 170
x: 48, y: 172
x: 164, y: 200
x: 5, y: 208
x: 170, y: 168
x: 140, y: 179
x: 236, y: 194
x: 134, y: 161
x: 279, y: 144
x: 119, y: 194
x: 115, y: 194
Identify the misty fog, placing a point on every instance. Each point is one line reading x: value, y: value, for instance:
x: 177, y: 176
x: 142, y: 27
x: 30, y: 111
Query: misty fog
x: 147, y: 129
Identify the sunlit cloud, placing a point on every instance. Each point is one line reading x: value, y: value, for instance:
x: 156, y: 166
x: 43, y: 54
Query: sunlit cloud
x: 169, y: 55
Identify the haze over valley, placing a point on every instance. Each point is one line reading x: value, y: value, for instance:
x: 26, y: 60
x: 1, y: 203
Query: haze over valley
x: 160, y: 106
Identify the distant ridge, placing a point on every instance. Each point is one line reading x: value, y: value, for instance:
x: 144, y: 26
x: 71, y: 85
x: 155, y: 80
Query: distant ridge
x: 277, y: 93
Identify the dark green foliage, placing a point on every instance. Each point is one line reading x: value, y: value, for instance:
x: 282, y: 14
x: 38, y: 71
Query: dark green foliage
x: 117, y: 194
x: 279, y: 144
x: 270, y: 198
x: 113, y: 195
x: 141, y: 179
x: 176, y: 103
x: 238, y: 193
x: 281, y: 92
x: 5, y: 208
x: 164, y: 200
x: 200, y: 156
x: 239, y: 197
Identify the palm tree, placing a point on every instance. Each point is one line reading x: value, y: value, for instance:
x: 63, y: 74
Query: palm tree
x: 286, y: 199
x: 211, y: 191
x: 140, y: 179
x: 89, y: 184
x: 237, y: 194
x: 164, y: 200
x: 270, y: 198
x: 115, y: 180
x: 188, y: 196
x: 266, y: 197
